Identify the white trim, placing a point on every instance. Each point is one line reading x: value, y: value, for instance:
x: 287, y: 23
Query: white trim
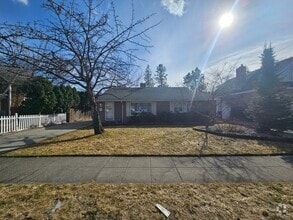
x: 171, y: 107
x: 153, y: 107
x: 226, y: 110
x: 236, y: 93
x: 244, y: 92
x: 128, y: 110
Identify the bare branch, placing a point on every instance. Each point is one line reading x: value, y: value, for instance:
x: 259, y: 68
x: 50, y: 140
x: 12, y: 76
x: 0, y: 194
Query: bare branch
x: 82, y: 44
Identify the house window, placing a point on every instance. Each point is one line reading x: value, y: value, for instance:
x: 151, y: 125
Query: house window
x: 179, y: 107
x: 109, y: 113
x: 140, y: 107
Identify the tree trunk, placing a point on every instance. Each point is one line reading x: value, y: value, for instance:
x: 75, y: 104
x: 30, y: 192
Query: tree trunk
x: 97, y: 124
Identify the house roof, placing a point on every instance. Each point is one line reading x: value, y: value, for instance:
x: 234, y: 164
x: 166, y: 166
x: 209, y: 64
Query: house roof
x: 284, y: 70
x: 150, y: 94
x: 202, y: 96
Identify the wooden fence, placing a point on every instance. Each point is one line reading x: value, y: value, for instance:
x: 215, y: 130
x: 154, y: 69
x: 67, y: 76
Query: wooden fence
x: 78, y: 115
x: 22, y: 122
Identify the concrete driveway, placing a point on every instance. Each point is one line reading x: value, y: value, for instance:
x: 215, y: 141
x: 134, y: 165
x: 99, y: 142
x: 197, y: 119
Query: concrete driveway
x: 13, y: 141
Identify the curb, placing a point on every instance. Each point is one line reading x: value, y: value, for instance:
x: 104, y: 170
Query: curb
x: 154, y: 155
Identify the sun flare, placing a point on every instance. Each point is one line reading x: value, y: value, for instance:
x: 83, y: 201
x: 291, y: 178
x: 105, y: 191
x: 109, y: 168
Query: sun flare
x: 226, y: 20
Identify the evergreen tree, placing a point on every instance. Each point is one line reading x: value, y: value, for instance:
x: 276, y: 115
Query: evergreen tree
x: 40, y: 97
x: 271, y: 108
x: 67, y: 97
x: 148, y: 79
x: 161, y: 76
x: 84, y: 103
x: 59, y: 99
x: 194, y: 80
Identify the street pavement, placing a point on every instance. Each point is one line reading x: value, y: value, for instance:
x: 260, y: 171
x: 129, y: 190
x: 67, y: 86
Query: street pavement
x: 146, y: 169
x: 16, y: 140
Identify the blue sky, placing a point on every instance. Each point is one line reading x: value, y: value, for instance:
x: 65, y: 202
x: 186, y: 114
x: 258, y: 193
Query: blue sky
x: 188, y: 28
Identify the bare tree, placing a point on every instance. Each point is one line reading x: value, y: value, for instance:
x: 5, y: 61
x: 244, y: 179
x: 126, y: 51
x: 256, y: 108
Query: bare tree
x: 219, y: 75
x: 81, y: 44
x: 216, y: 78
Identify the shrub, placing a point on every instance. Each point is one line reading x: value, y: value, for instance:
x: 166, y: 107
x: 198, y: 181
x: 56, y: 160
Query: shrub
x: 167, y: 118
x: 142, y: 118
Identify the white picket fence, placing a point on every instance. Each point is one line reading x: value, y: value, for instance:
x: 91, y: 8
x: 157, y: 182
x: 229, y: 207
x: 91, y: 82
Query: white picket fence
x: 22, y: 122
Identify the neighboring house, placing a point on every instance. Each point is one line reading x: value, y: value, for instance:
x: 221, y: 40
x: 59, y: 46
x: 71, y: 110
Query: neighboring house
x: 233, y: 96
x: 10, y: 80
x: 118, y: 104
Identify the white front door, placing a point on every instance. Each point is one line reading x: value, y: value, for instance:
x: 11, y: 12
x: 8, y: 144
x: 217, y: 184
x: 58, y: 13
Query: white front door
x: 109, y: 113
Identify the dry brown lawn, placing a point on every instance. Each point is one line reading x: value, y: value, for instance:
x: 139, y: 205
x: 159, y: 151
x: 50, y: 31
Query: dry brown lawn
x: 148, y: 141
x: 136, y: 201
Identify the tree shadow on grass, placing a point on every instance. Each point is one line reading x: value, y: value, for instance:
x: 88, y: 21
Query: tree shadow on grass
x: 48, y: 141
x: 283, y: 147
x: 72, y: 125
x: 45, y: 143
x: 13, y: 145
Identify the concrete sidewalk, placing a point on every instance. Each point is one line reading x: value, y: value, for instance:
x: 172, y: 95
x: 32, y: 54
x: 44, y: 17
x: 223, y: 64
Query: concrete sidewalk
x: 146, y: 169
x: 20, y: 139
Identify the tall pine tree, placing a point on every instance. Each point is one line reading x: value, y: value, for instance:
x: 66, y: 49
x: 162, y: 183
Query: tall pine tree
x: 272, y: 108
x: 161, y: 76
x: 194, y: 80
x: 148, y: 78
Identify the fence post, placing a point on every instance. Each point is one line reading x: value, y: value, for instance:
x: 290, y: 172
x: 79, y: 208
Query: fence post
x: 24, y: 122
x: 16, y: 121
x: 40, y: 120
x: 21, y: 121
x: 4, y: 124
x: 1, y: 125
x: 9, y: 118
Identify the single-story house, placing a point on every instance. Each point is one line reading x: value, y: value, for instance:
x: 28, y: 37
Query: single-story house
x: 233, y: 96
x: 118, y: 104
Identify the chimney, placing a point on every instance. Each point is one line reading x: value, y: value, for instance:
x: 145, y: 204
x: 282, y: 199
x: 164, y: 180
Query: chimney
x: 142, y: 85
x: 241, y: 73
